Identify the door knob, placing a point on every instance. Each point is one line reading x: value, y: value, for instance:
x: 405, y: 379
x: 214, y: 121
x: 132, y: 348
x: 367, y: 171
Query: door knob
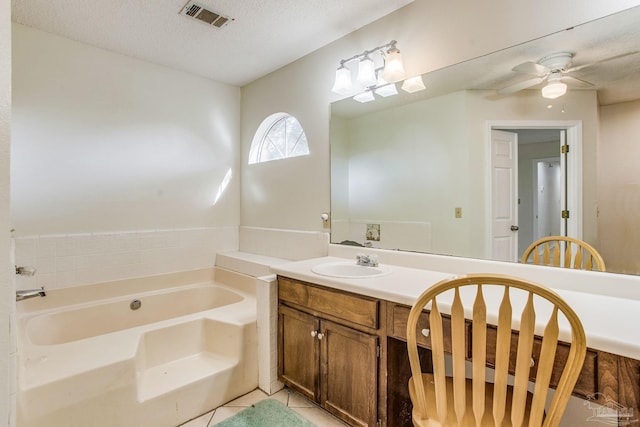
x: 515, y: 228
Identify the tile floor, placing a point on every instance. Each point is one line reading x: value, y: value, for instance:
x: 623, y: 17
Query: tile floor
x: 292, y: 399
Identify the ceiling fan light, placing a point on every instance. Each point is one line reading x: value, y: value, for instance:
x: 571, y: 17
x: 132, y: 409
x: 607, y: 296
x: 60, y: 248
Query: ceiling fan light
x: 393, y: 67
x: 554, y: 90
x: 367, y: 72
x: 413, y: 84
x: 342, y: 84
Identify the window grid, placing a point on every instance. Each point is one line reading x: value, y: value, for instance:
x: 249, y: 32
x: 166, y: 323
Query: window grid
x: 282, y: 137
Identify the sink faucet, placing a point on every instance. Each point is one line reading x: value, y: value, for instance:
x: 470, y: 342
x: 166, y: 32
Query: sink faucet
x: 367, y: 260
x: 30, y: 293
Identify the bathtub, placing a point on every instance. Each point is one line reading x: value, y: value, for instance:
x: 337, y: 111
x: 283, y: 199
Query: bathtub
x: 157, y: 350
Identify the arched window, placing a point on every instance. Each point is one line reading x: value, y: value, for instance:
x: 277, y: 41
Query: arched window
x: 279, y: 136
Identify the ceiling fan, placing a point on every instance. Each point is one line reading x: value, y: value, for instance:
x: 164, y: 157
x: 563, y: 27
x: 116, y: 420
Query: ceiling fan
x: 555, y: 69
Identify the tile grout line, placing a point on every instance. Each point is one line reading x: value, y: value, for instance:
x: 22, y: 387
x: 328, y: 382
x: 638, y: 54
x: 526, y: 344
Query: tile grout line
x: 213, y: 413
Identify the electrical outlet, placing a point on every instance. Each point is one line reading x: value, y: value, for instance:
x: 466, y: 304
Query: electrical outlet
x: 373, y: 232
x: 458, y: 212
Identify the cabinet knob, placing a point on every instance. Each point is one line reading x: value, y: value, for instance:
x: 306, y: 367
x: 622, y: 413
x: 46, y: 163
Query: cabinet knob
x: 533, y: 362
x: 425, y: 332
x: 320, y: 336
x: 314, y: 333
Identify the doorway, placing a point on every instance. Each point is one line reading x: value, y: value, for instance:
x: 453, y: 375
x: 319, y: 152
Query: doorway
x: 547, y: 179
x: 547, y: 185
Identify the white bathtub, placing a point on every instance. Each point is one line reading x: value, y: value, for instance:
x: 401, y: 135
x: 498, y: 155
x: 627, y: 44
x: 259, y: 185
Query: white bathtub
x: 86, y: 358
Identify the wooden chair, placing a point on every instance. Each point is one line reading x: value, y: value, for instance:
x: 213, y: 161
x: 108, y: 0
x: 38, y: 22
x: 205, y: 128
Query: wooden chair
x: 577, y: 254
x: 441, y: 400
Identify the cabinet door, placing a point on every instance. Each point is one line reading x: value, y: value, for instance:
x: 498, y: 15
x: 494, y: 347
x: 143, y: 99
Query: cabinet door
x: 299, y: 352
x: 628, y: 390
x: 349, y: 372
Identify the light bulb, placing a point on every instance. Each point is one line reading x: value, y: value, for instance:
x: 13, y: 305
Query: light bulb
x: 342, y: 84
x: 387, y: 90
x: 367, y: 72
x: 413, y: 84
x: 364, y: 97
x: 554, y: 90
x: 393, y: 67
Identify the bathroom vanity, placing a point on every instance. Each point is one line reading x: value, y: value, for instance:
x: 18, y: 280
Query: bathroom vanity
x: 329, y: 348
x: 342, y: 343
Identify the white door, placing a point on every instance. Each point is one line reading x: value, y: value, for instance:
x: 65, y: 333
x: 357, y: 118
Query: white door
x: 504, y: 195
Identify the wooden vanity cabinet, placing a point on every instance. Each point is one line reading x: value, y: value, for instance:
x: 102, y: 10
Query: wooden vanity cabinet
x: 299, y: 352
x: 347, y: 352
x: 329, y: 348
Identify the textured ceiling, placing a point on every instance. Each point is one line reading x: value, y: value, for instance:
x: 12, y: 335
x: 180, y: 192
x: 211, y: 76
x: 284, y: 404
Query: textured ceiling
x: 264, y: 36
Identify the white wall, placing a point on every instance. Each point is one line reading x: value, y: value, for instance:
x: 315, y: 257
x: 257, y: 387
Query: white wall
x: 116, y: 164
x: 430, y: 35
x: 106, y: 142
x: 420, y: 161
x: 404, y: 166
x: 619, y: 186
x: 7, y: 285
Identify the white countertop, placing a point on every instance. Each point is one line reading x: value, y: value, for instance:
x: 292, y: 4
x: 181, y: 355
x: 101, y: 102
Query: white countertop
x: 610, y: 323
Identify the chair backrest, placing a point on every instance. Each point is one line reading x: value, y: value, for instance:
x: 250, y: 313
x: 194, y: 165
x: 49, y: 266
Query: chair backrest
x: 577, y: 254
x: 502, y: 294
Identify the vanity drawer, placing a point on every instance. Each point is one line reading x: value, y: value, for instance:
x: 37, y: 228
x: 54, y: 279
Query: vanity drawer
x: 586, y: 384
x: 343, y: 305
x: 400, y: 315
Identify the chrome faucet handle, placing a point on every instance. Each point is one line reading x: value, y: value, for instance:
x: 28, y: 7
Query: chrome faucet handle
x: 367, y: 260
x: 25, y: 270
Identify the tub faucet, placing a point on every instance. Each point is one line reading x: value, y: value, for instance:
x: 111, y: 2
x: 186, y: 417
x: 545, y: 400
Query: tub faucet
x: 367, y: 260
x: 30, y: 293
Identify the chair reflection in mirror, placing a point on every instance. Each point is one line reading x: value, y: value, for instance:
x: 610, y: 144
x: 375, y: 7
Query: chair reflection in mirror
x: 457, y: 317
x: 562, y: 251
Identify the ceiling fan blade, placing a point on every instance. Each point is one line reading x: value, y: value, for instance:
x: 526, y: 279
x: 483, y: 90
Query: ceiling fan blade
x: 532, y: 68
x: 520, y: 86
x: 580, y: 67
x: 576, y: 81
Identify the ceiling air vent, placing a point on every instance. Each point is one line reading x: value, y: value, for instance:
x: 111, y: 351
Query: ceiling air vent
x: 195, y: 11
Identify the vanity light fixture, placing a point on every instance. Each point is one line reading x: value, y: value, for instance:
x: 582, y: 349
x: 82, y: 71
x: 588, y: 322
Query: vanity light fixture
x: 387, y: 90
x: 393, y: 68
x: 367, y: 72
x: 554, y: 88
x: 384, y: 88
x: 414, y: 84
x: 366, y: 96
x: 342, y: 85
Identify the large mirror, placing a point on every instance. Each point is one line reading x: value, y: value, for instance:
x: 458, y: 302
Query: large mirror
x: 419, y: 172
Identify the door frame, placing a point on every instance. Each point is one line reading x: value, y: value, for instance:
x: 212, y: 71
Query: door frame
x: 573, y: 130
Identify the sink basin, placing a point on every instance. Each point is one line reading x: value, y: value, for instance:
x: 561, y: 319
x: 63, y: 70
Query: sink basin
x: 349, y: 270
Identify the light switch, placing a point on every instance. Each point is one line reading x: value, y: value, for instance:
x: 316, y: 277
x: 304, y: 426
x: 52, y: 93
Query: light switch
x: 458, y: 212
